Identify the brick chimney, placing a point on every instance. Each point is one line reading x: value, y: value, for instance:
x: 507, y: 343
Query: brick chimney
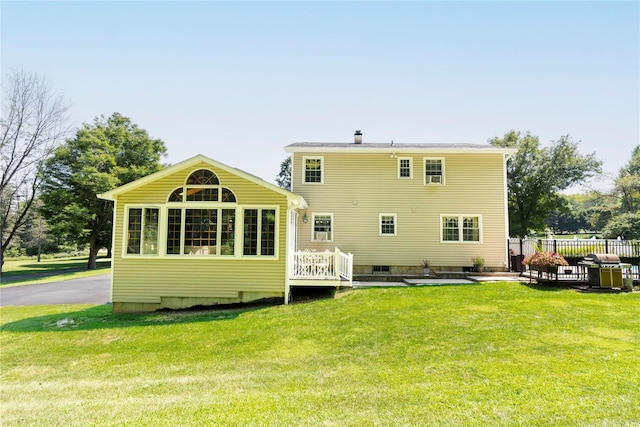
x: 357, y: 137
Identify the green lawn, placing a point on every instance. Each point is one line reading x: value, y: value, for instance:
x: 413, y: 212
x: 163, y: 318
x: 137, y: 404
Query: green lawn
x: 25, y: 272
x: 476, y: 355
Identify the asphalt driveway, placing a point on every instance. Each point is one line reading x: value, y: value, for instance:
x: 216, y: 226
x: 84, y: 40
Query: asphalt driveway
x: 88, y: 290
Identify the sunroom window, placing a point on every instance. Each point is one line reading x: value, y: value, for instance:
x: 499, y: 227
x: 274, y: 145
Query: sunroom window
x: 259, y: 232
x: 202, y: 186
x: 142, y: 231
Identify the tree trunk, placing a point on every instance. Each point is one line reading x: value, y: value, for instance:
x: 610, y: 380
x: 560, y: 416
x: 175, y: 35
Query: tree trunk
x: 109, y: 252
x: 93, y: 254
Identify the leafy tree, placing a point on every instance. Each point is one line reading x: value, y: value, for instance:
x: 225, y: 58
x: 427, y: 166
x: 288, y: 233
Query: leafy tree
x: 633, y: 167
x: 33, y: 121
x: 106, y: 154
x: 537, y: 174
x: 626, y: 226
x: 628, y: 189
x: 284, y: 177
x: 567, y: 218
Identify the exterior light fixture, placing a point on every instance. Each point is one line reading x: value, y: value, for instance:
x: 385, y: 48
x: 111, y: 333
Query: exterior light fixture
x: 305, y: 218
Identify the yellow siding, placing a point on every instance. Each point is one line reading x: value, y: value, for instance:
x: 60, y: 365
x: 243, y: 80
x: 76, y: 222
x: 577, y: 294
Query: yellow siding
x: 359, y: 186
x: 147, y: 279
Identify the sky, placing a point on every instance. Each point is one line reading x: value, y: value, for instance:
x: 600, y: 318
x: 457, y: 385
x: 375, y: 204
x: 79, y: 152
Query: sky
x: 238, y: 81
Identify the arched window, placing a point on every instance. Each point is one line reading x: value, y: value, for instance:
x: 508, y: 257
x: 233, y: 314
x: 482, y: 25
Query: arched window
x: 203, y: 177
x: 176, y: 195
x: 228, y: 196
x: 202, y: 186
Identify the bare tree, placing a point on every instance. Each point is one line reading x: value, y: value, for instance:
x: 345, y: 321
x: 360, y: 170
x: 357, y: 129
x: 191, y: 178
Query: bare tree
x: 33, y: 122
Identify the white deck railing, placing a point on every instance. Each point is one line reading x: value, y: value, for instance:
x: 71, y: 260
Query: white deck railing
x: 327, y: 265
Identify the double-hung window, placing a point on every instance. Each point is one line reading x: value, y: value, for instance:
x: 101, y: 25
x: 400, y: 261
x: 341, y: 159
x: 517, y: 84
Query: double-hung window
x: 313, y: 170
x: 461, y: 228
x: 405, y: 167
x: 322, y: 228
x: 433, y: 171
x: 388, y: 224
x: 142, y: 231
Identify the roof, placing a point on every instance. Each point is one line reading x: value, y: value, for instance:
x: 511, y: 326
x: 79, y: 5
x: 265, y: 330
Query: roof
x: 350, y: 147
x: 295, y: 199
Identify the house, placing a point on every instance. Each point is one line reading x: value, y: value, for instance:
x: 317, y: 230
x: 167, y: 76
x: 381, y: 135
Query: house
x: 203, y: 233
x: 395, y: 205
x: 200, y: 233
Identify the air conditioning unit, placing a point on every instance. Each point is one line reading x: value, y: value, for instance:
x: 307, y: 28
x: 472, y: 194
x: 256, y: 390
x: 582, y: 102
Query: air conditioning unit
x: 434, y: 179
x: 322, y: 236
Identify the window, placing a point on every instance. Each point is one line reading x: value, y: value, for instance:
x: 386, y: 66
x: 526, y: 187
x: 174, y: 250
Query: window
x: 461, y: 228
x: 312, y: 170
x: 202, y: 186
x: 259, y: 232
x: 201, y: 231
x: 433, y: 171
x: 388, y: 225
x: 202, y: 219
x: 322, y: 228
x: 203, y: 177
x: 405, y: 167
x: 142, y: 231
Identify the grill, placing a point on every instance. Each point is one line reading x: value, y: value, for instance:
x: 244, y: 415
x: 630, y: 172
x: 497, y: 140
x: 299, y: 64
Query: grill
x: 604, y: 270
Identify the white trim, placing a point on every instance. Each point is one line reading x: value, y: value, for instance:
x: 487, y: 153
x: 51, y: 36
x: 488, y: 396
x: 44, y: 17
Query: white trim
x: 276, y: 244
x: 431, y: 179
x: 506, y: 208
x: 460, y: 228
x: 407, y: 148
x: 313, y: 223
x: 410, y: 167
x: 295, y: 199
x: 125, y: 221
x: 163, y: 220
x: 304, y: 169
x: 395, y: 224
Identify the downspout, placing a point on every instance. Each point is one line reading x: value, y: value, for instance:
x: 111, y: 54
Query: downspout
x: 287, y: 286
x: 506, y: 207
x: 113, y: 247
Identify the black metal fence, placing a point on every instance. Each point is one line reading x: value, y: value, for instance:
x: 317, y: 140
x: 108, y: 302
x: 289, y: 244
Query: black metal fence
x: 574, y: 251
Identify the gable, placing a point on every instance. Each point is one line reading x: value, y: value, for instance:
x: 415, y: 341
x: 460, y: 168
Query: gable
x: 155, y: 188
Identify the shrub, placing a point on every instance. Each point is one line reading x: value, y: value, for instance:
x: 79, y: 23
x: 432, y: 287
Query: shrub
x: 544, y: 259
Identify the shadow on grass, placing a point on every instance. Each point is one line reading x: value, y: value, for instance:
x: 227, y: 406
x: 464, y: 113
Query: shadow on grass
x: 545, y: 287
x: 101, y: 317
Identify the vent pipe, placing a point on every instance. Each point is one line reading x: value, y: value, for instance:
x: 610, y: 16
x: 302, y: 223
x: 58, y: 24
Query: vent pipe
x: 357, y: 137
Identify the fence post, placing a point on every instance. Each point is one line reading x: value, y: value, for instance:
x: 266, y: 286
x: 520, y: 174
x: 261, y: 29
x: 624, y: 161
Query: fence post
x: 606, y: 246
x: 555, y: 246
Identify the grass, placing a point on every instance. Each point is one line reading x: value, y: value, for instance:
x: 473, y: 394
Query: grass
x: 477, y: 355
x: 27, y: 272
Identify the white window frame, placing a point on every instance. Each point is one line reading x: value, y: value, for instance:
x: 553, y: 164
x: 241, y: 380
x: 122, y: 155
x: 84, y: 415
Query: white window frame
x: 424, y: 171
x: 410, y: 167
x: 461, y: 218
x: 395, y: 224
x: 313, y: 224
x: 239, y: 247
x: 125, y: 231
x: 304, y: 169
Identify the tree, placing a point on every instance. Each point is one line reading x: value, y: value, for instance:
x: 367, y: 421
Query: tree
x: 626, y: 226
x: 633, y: 167
x: 106, y: 154
x: 536, y: 175
x: 284, y: 177
x: 33, y: 121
